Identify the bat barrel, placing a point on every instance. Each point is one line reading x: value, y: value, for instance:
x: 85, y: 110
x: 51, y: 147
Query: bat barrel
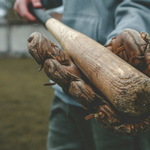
x: 125, y: 87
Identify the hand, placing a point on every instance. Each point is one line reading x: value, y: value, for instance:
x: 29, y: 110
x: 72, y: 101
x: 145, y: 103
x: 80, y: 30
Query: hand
x: 21, y: 8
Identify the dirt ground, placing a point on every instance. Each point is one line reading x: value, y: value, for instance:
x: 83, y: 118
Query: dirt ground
x: 24, y: 105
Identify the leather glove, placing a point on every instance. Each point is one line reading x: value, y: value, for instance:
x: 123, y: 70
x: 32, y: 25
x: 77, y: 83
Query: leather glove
x: 60, y: 68
x: 134, y: 48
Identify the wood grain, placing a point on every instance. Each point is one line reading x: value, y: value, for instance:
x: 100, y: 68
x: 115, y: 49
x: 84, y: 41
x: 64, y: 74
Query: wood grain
x: 125, y: 87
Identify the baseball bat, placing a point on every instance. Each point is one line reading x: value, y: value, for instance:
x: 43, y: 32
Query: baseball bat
x: 124, y: 86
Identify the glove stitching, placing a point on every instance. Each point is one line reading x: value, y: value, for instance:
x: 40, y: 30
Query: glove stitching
x: 113, y: 116
x: 123, y: 54
x: 59, y: 51
x: 62, y: 74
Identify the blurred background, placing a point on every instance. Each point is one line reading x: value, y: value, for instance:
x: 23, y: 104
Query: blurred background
x: 24, y: 101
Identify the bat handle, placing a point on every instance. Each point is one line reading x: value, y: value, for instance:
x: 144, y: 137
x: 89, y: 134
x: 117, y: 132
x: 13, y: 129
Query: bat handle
x: 39, y: 13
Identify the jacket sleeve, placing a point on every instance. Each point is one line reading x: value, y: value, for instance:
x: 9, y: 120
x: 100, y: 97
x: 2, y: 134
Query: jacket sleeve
x: 51, y: 3
x: 134, y: 14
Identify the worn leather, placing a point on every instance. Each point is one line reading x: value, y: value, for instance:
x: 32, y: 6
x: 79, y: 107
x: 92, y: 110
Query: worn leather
x: 60, y: 68
x: 134, y: 48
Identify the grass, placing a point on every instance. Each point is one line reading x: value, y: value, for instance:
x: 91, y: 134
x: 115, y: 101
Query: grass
x: 24, y: 105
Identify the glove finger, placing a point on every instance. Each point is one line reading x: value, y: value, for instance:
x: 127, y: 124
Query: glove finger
x: 102, y: 111
x: 84, y: 95
x: 38, y: 45
x: 41, y: 48
x: 58, y: 73
x: 130, y: 46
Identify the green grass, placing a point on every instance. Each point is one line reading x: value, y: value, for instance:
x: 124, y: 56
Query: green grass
x: 24, y: 105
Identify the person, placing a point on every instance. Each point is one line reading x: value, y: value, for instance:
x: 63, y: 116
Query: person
x: 101, y: 20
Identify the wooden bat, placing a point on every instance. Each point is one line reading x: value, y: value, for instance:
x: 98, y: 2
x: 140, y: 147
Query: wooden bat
x: 125, y: 87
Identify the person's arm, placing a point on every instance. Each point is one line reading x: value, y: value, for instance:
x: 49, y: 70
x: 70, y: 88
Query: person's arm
x: 134, y: 14
x: 21, y: 7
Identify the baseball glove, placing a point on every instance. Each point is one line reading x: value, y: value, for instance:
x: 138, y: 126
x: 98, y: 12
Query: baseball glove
x: 60, y: 68
x: 134, y: 48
